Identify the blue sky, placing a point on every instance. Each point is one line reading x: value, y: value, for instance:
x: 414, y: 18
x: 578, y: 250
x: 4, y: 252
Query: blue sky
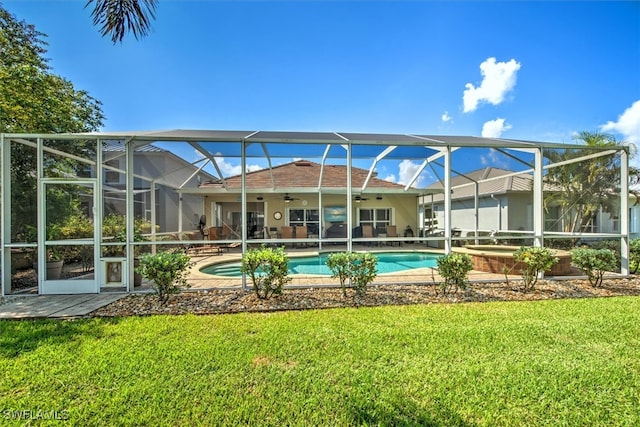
x: 513, y: 69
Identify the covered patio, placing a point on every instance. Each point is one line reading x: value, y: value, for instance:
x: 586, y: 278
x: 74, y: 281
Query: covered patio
x: 218, y: 193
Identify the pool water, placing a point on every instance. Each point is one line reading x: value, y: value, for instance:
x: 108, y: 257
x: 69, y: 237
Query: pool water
x: 388, y: 262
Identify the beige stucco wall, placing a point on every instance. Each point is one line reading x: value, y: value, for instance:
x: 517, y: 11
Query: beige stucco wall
x: 404, y: 208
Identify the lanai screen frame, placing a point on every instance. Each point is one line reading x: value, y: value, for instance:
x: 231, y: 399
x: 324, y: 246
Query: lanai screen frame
x: 437, y: 147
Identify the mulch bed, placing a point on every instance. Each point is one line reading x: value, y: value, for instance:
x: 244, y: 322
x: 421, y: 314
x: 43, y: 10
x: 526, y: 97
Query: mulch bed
x: 235, y: 301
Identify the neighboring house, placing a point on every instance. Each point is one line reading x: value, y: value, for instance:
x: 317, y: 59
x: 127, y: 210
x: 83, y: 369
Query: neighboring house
x: 166, y: 173
x: 504, y: 202
x: 305, y: 193
x: 505, y: 205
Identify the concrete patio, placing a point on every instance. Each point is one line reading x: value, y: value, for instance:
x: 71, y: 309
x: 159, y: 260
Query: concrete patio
x: 55, y: 306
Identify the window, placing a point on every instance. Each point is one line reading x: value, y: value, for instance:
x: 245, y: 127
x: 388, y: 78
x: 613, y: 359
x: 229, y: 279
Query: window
x: 111, y: 176
x: 377, y: 218
x: 309, y: 217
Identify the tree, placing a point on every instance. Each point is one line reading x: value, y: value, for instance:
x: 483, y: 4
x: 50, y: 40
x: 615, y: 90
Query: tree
x: 34, y: 100
x: 118, y: 17
x: 580, y: 189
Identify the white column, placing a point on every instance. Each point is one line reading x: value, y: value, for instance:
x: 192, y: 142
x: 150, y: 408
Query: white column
x: 447, y: 201
x: 624, y: 212
x: 349, y: 204
x: 129, y: 149
x: 5, y: 218
x: 538, y: 205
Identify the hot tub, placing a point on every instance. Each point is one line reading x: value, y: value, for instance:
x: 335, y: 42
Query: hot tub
x: 495, y: 258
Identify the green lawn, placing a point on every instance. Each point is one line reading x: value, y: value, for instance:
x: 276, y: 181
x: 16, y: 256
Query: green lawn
x: 562, y: 362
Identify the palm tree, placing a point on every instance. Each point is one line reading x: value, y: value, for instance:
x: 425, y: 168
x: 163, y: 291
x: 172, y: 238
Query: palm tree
x: 581, y: 189
x: 119, y: 17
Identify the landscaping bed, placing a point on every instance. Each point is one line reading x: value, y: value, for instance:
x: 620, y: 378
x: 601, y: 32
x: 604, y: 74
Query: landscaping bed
x: 234, y: 301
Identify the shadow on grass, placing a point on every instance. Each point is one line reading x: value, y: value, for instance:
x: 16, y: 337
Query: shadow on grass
x: 22, y: 336
x: 402, y: 412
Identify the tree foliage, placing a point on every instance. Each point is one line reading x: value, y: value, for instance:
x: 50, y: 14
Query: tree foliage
x: 580, y: 189
x: 116, y: 18
x: 34, y: 100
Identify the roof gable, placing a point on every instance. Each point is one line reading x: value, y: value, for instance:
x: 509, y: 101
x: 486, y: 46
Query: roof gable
x: 491, y: 181
x: 305, y: 174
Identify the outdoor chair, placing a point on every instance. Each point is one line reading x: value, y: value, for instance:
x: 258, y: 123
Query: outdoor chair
x: 301, y: 233
x: 204, y: 250
x: 393, y: 232
x: 367, y: 231
x: 267, y: 236
x: 214, y: 233
x: 286, y: 232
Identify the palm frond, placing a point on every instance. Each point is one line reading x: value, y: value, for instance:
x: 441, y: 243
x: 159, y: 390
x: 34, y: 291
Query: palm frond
x: 116, y: 18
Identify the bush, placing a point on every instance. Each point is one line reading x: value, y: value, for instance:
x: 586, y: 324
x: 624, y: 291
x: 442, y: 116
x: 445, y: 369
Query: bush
x: 114, y: 229
x: 614, y: 246
x: 268, y: 269
x: 454, y: 269
x: 634, y: 255
x: 359, y: 268
x: 537, y: 260
x: 168, y: 271
x: 594, y: 263
x: 340, y: 265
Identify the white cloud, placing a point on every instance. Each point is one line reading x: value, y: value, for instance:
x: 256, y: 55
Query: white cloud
x: 493, y: 158
x: 495, y: 128
x: 628, y: 124
x: 390, y: 178
x: 446, y: 117
x: 229, y: 169
x: 406, y: 171
x: 498, y: 78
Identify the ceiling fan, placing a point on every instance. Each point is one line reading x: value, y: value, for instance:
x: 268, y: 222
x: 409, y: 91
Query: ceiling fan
x: 288, y: 198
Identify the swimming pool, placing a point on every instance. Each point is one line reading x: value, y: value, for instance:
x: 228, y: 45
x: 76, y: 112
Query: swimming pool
x: 388, y: 262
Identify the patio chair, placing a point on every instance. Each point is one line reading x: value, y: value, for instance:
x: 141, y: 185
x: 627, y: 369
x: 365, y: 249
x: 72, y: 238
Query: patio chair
x: 367, y: 231
x: 393, y: 232
x: 267, y: 236
x: 214, y: 233
x: 286, y: 232
x: 301, y: 233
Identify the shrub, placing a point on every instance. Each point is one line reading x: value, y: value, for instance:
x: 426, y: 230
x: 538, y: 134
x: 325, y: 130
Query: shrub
x: 634, y: 255
x: 537, y: 260
x: 454, y: 269
x: 114, y: 229
x: 363, y: 271
x: 268, y: 269
x: 359, y: 268
x: 594, y: 263
x: 168, y: 271
x: 614, y: 246
x: 340, y: 265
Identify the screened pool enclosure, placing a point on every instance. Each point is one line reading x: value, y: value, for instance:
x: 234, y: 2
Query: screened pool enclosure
x: 92, y: 202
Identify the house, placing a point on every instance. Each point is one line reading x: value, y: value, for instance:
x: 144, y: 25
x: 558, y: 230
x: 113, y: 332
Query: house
x: 498, y: 202
x: 303, y: 193
x: 487, y: 200
x: 335, y: 195
x: 155, y: 170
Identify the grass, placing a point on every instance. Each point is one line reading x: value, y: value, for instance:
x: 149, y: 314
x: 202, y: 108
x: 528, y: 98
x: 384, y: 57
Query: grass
x: 562, y: 362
